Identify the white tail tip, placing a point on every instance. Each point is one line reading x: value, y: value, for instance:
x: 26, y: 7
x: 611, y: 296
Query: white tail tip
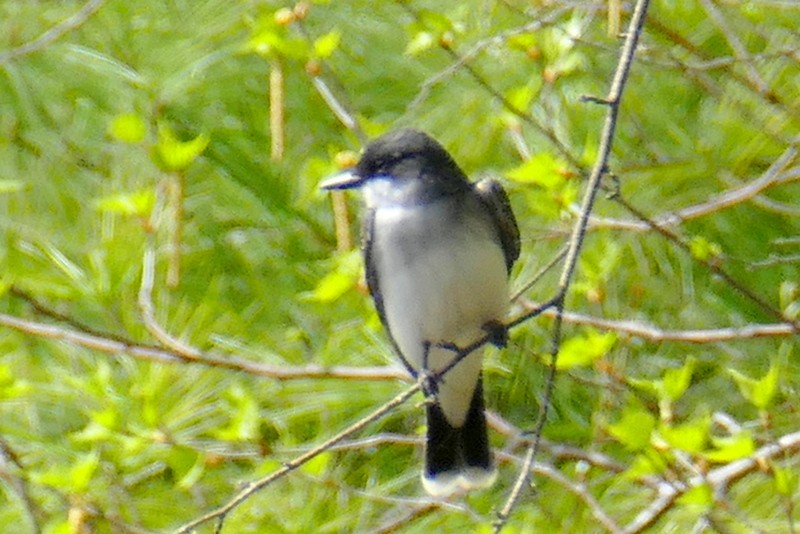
x: 466, y: 479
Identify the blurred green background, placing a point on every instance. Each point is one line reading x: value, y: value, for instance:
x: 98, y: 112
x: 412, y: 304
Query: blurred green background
x: 133, y: 125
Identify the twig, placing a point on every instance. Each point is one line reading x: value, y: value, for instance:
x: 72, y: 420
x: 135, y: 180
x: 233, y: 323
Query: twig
x: 145, y: 301
x: 116, y: 345
x: 579, y: 490
x: 9, y: 463
x: 276, y: 107
x: 613, y: 100
x: 337, y: 105
x: 711, y: 265
x: 416, y: 513
x: 739, y: 50
x: 539, y: 275
x: 654, y: 333
x: 43, y: 309
x: 176, y: 184
x: 221, y: 512
x: 338, y: 108
x: 476, y: 49
x: 54, y: 33
x: 719, y: 479
x: 769, y: 97
x: 528, y: 118
x: 774, y: 259
x: 771, y: 177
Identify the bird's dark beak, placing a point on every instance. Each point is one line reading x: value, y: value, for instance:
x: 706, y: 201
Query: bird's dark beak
x: 344, y: 180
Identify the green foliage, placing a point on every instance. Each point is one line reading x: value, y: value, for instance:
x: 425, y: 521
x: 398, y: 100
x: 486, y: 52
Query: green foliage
x: 759, y: 392
x: 634, y: 428
x: 172, y: 154
x: 584, y: 350
x: 97, y: 126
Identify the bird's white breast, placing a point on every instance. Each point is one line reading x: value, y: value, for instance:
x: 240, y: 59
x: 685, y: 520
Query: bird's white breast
x: 443, y: 276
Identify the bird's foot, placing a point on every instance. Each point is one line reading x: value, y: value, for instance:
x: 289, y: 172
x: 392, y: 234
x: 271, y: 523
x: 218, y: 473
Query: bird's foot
x: 429, y: 383
x: 497, y: 333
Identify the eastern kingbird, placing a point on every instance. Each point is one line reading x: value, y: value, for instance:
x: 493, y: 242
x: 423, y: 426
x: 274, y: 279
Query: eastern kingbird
x: 438, y: 250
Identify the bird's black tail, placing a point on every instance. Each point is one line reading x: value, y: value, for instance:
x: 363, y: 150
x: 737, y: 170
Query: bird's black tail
x: 458, y: 457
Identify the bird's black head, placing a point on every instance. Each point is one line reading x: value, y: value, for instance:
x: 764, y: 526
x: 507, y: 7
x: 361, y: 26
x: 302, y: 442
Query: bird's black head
x: 410, y: 159
x: 407, y: 154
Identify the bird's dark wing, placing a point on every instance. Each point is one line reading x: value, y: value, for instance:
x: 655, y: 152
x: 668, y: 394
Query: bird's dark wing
x: 374, y: 286
x: 370, y: 266
x: 495, y: 200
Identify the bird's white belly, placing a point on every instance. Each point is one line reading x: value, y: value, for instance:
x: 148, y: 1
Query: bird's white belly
x: 442, y: 284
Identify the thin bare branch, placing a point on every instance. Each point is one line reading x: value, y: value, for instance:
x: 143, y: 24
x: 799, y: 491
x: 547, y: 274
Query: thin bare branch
x: 337, y: 104
x: 12, y: 471
x: 580, y: 491
x: 770, y: 178
x: 711, y: 265
x: 339, y: 109
x: 613, y: 100
x: 487, y: 86
x: 145, y: 301
x: 148, y: 352
x: 277, y: 131
x: 719, y: 479
x: 475, y: 50
x: 741, y: 53
x: 655, y: 333
x: 54, y: 33
x: 220, y: 513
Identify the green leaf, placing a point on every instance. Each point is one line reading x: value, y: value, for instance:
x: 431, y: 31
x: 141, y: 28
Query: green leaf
x: 271, y: 41
x: 652, y: 387
x: 10, y: 386
x: 82, y: 472
x: 634, y: 428
x: 788, y: 292
x: 703, y: 249
x: 521, y: 97
x: 420, y: 42
x: 100, y: 428
x: 690, y: 437
x: 789, y: 299
x: 543, y: 169
x: 731, y: 448
x: 92, y: 433
x: 245, y: 418
x: 759, y: 392
x: 700, y: 496
x: 676, y: 381
x: 339, y: 281
x: 581, y: 351
x: 786, y: 480
x: 183, y: 463
x: 11, y: 186
x: 128, y: 128
x: 318, y: 464
x: 522, y: 41
x: 648, y: 462
x: 194, y: 474
x: 434, y: 20
x: 175, y: 155
x: 137, y: 203
x: 327, y: 44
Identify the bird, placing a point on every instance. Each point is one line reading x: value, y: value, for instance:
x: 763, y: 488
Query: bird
x: 438, y: 252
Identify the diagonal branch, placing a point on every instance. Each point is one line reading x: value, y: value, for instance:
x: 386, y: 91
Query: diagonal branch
x: 221, y: 513
x: 719, y: 479
x: 613, y: 101
x: 115, y: 345
x: 770, y: 178
x: 654, y: 333
x: 54, y: 33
